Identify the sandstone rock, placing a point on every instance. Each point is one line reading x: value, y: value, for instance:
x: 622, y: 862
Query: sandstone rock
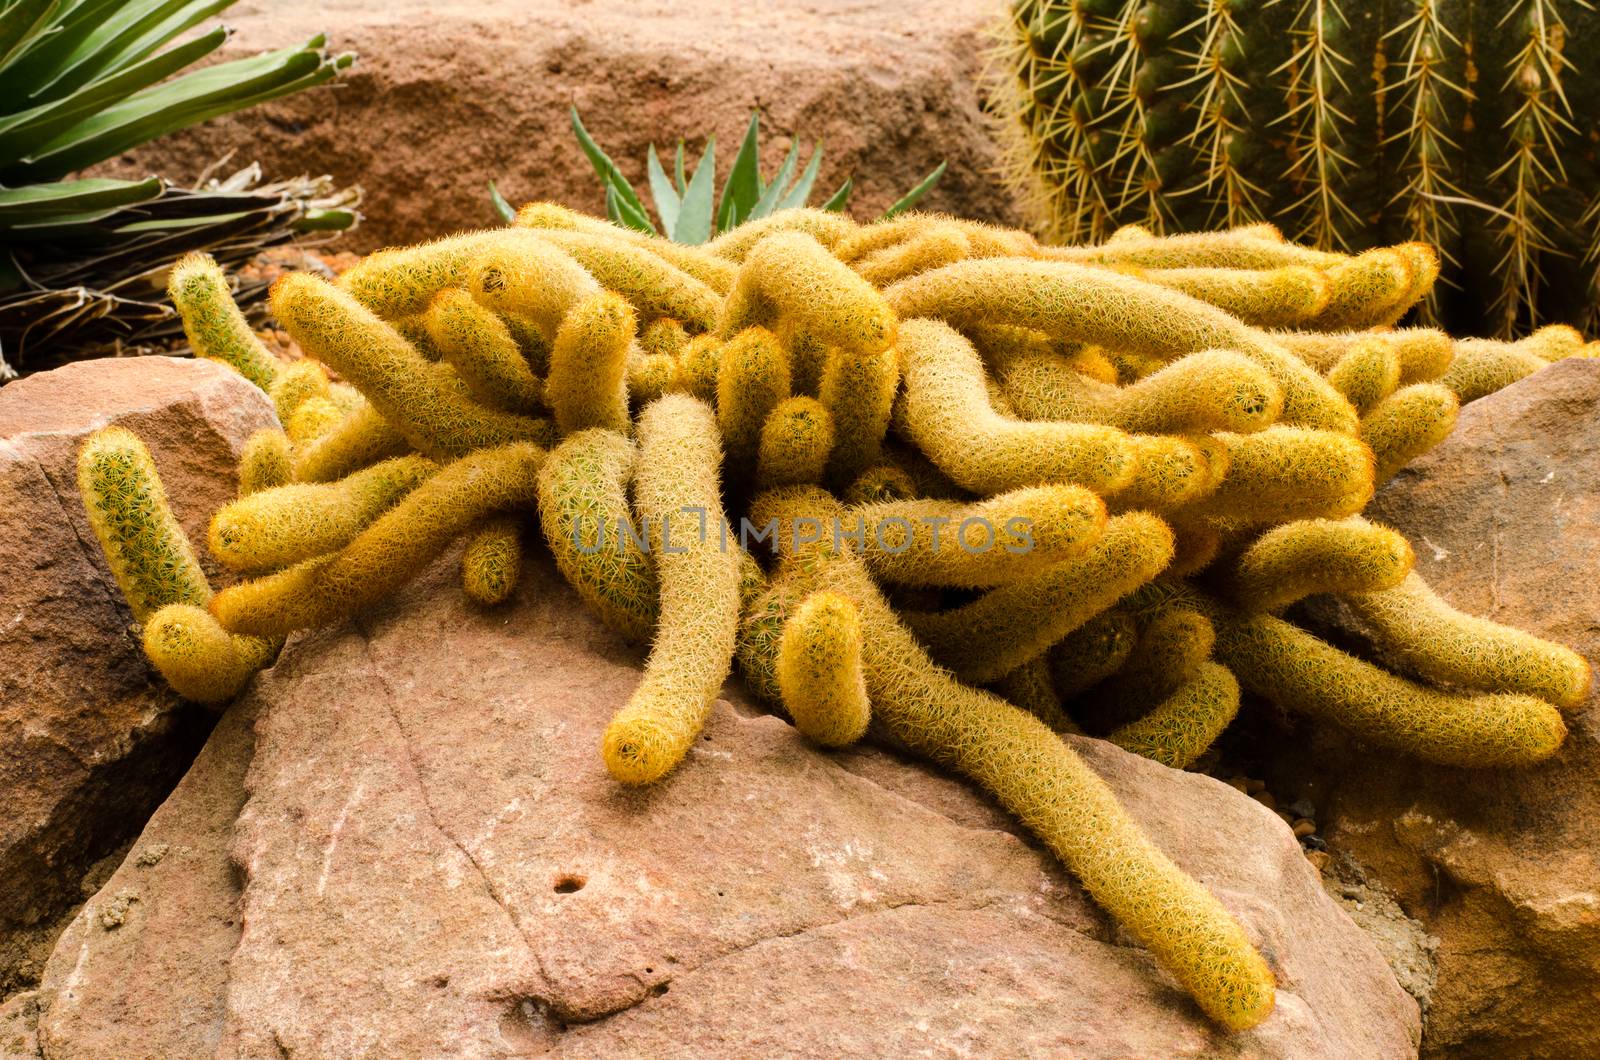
x: 434, y: 862
x: 446, y: 98
x: 1504, y: 867
x: 90, y: 740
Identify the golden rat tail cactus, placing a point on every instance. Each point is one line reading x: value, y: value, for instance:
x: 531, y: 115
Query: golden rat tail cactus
x: 819, y: 670
x: 216, y: 329
x: 677, y: 495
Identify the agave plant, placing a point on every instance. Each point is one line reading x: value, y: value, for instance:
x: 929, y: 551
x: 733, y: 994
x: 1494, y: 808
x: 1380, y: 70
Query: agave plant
x: 82, y: 81
x: 688, y: 205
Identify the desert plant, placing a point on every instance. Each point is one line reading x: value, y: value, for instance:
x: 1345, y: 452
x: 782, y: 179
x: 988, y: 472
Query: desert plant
x: 688, y: 206
x: 1464, y: 125
x: 82, y: 81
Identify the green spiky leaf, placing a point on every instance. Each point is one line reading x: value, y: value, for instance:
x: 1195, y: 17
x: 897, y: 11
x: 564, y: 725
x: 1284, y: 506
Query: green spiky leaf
x: 662, y: 191
x: 773, y: 193
x: 839, y: 199
x: 630, y: 210
x: 694, y: 213
x: 743, y: 188
x: 37, y: 202
x: 501, y: 207
x: 800, y: 194
x: 909, y: 199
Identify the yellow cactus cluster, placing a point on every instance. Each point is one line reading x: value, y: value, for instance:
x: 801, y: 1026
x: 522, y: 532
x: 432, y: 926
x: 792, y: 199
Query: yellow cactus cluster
x: 925, y: 480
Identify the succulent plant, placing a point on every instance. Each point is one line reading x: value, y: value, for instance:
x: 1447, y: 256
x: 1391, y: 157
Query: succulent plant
x: 1462, y: 124
x: 82, y: 81
x: 688, y: 206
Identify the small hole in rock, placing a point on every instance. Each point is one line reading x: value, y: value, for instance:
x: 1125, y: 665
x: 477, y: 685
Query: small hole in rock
x: 658, y: 989
x: 569, y: 883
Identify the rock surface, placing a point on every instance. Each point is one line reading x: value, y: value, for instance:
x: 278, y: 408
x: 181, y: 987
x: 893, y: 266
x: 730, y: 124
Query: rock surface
x: 90, y: 740
x: 448, y: 96
x: 1503, y: 867
x: 432, y: 861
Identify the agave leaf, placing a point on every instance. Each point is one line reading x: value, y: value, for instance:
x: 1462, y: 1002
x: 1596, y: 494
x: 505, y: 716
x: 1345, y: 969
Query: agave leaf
x: 801, y: 192
x: 188, y: 100
x: 20, y: 24
x: 128, y: 36
x: 610, y: 174
x: 501, y: 207
x: 661, y: 189
x: 677, y: 170
x: 163, y: 224
x: 839, y: 199
x: 36, y: 202
x: 42, y: 57
x: 743, y: 188
x: 27, y: 130
x: 327, y: 220
x: 909, y: 199
x: 780, y: 181
x: 694, y: 212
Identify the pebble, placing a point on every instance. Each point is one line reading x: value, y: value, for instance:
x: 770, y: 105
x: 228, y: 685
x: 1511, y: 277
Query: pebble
x: 1304, y: 827
x: 1265, y: 798
x: 1288, y: 819
x: 1319, y: 859
x: 1303, y: 807
x: 1252, y: 786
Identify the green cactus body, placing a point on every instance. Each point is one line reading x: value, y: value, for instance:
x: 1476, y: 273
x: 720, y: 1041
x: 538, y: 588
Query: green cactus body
x: 790, y: 277
x: 1092, y: 652
x: 1302, y: 673
x: 588, y: 381
x: 362, y: 438
x: 1411, y: 623
x: 198, y: 658
x: 279, y: 527
x: 1457, y: 125
x: 1298, y: 559
x: 982, y: 240
x: 949, y: 417
x: 859, y: 393
x: 266, y: 462
x: 211, y: 319
x: 1035, y: 776
x: 795, y: 442
x: 1407, y: 424
x: 975, y: 545
x: 936, y: 246
x: 1483, y: 366
x: 401, y: 282
x: 678, y: 497
x: 994, y: 634
x: 147, y: 551
x: 1170, y: 472
x: 296, y: 383
x: 819, y: 670
x: 753, y: 379
x: 1367, y: 373
x: 480, y: 347
x: 390, y: 552
x: 1095, y: 305
x: 583, y: 509
x: 1186, y: 723
x: 1202, y: 392
x: 436, y: 419
x: 1031, y: 687
x: 491, y: 564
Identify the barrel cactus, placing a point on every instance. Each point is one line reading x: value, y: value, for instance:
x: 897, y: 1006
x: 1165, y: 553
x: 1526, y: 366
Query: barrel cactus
x: 1469, y: 125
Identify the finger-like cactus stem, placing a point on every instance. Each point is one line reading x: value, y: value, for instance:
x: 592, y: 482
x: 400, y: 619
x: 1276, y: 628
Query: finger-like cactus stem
x: 588, y: 381
x: 492, y: 561
x: 390, y: 552
x: 362, y: 438
x: 1483, y: 366
x: 279, y: 527
x: 991, y: 636
x: 583, y: 509
x: 1407, y: 424
x: 1264, y: 298
x: 435, y: 418
x: 480, y: 347
x: 819, y: 670
x: 753, y: 379
x: 1298, y: 559
x: 795, y: 442
x: 949, y: 416
x: 211, y: 319
x: 1367, y: 373
x: 653, y: 286
x: 677, y: 495
x: 1092, y: 652
x: 1030, y: 687
x: 1411, y: 623
x: 201, y: 660
x: 789, y: 276
x: 148, y: 553
x: 266, y: 462
x: 1186, y: 723
x: 295, y: 383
